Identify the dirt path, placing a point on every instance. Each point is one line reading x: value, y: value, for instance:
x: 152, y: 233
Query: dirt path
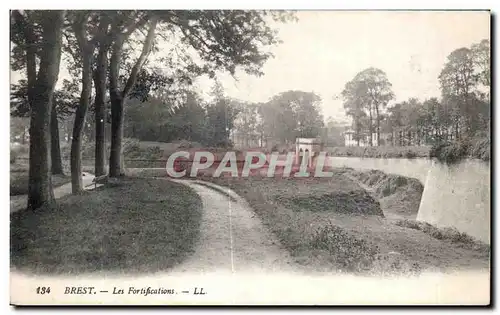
x: 19, y: 202
x: 232, y: 239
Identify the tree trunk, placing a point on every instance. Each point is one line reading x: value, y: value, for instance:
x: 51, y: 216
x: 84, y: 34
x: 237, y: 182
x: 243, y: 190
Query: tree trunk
x: 378, y: 126
x: 116, y: 112
x: 115, y: 158
x: 100, y: 99
x: 40, y: 191
x: 55, y: 146
x: 370, y: 131
x: 81, y: 111
x: 79, y: 124
x: 100, y: 114
x: 118, y: 97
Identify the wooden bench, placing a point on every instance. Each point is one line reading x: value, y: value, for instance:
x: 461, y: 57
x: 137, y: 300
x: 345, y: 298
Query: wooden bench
x: 99, y: 180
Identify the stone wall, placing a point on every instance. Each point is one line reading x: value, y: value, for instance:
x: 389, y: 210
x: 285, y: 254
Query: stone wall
x: 455, y: 195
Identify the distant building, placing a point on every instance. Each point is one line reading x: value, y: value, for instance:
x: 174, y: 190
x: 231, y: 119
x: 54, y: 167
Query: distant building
x: 350, y: 139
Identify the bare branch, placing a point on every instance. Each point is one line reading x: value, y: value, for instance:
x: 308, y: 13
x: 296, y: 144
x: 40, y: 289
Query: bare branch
x: 146, y: 49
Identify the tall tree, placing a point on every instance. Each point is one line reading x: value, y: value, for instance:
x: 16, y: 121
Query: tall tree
x: 221, y: 114
x: 246, y: 121
x: 26, y: 37
x: 223, y: 40
x: 121, y: 30
x: 100, y: 74
x: 369, y: 90
x: 279, y: 120
x: 458, y: 80
x: 481, y: 59
x: 79, y: 23
x: 40, y: 92
x: 188, y: 120
x: 306, y: 105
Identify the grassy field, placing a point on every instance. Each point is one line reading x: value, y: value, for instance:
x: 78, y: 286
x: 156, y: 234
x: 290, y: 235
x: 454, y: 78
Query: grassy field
x: 136, y: 225
x: 326, y: 239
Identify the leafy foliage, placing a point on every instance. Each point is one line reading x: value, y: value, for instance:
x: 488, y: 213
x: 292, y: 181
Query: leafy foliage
x: 292, y: 114
x: 364, y: 97
x: 452, y: 152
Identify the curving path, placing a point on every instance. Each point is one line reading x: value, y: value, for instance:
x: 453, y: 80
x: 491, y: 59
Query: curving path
x: 19, y: 202
x: 232, y: 239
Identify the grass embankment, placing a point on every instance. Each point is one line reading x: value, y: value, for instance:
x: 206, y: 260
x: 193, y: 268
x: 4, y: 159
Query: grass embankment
x: 447, y: 233
x: 397, y: 195
x: 306, y: 213
x: 337, y: 236
x: 135, y: 225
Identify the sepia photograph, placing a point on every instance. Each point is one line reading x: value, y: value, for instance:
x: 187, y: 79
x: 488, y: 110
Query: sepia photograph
x: 250, y: 157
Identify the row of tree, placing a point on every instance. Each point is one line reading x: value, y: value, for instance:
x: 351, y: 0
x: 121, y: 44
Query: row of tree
x: 462, y: 111
x: 107, y: 51
x: 188, y: 118
x: 284, y: 117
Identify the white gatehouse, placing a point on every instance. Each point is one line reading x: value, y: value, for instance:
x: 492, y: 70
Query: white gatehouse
x: 307, y: 148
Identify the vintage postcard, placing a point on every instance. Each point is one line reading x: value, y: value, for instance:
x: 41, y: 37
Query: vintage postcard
x: 259, y: 157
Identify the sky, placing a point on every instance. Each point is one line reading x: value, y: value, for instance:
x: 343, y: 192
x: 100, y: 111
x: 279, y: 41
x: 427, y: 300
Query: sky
x: 325, y: 49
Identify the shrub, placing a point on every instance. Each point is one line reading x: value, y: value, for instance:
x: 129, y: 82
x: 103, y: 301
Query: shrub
x: 348, y: 252
x: 477, y: 147
x: 153, y: 153
x: 130, y: 145
x: 450, y: 152
x: 410, y: 155
x: 480, y: 148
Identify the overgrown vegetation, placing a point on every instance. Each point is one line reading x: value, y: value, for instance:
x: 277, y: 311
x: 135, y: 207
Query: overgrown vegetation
x: 453, y: 152
x: 136, y: 225
x: 354, y: 254
x: 322, y: 240
x: 348, y: 252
